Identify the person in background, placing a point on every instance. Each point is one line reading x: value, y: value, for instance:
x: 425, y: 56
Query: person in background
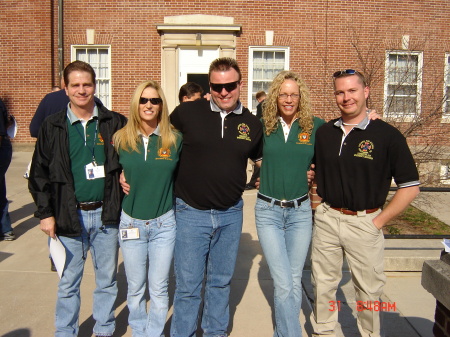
x: 283, y: 209
x: 260, y: 97
x: 356, y: 159
x: 56, y: 88
x: 6, y: 232
x: 84, y: 212
x: 190, y: 92
x: 149, y: 149
x: 52, y: 103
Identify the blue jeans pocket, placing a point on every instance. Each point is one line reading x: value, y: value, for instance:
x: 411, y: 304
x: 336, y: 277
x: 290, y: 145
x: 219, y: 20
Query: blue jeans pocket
x: 180, y: 205
x: 169, y: 223
x: 261, y: 205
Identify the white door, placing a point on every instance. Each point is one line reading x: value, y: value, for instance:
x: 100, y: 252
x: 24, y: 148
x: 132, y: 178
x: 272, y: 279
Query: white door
x: 193, y: 62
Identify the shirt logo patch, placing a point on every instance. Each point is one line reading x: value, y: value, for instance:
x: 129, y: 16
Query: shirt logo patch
x: 304, y: 138
x: 244, y: 132
x: 365, y: 149
x: 100, y: 139
x: 164, y: 154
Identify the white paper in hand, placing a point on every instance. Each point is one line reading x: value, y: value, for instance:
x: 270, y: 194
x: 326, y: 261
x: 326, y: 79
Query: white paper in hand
x: 58, y: 253
x: 12, y: 130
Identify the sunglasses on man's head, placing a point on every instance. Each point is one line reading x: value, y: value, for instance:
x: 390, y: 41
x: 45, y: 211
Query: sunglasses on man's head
x: 154, y: 101
x: 344, y: 72
x: 228, y: 86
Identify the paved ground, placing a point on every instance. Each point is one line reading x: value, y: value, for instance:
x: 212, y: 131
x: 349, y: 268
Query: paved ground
x: 28, y: 287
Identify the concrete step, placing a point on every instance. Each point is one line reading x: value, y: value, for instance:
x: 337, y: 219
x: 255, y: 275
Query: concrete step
x: 403, y: 254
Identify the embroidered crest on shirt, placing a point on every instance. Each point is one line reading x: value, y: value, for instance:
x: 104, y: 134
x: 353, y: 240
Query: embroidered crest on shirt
x: 365, y: 149
x: 100, y: 139
x: 244, y: 132
x: 304, y: 138
x: 164, y: 154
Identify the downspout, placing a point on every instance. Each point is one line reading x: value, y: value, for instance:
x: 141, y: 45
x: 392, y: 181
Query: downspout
x: 60, y: 38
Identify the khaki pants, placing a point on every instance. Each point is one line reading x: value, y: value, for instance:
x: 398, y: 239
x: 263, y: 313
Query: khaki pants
x: 363, y: 244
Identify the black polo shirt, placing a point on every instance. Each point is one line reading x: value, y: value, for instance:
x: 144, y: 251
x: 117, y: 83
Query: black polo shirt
x: 356, y: 172
x: 212, y: 169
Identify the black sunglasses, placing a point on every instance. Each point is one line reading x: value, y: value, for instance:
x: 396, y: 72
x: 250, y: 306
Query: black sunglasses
x: 228, y: 86
x: 154, y: 101
x: 344, y: 72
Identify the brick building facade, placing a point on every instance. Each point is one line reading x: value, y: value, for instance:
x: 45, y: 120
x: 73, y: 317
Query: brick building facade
x: 169, y: 41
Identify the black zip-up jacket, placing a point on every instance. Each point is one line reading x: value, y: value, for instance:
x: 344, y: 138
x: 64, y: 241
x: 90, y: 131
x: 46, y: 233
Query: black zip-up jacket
x: 51, y: 181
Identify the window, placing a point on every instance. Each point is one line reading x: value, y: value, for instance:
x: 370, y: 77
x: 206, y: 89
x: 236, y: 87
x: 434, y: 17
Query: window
x: 403, y: 84
x: 445, y: 172
x: 264, y: 64
x: 446, y: 106
x: 99, y: 58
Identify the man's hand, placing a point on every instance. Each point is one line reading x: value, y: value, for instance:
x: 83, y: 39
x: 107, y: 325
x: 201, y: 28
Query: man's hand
x: 123, y: 183
x: 48, y: 226
x: 257, y: 183
x: 372, y: 114
x: 402, y: 198
x: 311, y: 174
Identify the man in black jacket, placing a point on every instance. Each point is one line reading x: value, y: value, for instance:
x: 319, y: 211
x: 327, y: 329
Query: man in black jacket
x: 6, y: 231
x: 74, y: 181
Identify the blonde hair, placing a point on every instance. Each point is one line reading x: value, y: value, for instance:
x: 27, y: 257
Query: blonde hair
x: 270, y: 107
x: 128, y: 138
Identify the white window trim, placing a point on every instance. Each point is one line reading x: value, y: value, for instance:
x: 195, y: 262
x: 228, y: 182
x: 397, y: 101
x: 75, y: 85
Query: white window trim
x: 444, y: 175
x: 446, y: 117
x: 251, y: 49
x: 419, y: 55
x: 74, y: 48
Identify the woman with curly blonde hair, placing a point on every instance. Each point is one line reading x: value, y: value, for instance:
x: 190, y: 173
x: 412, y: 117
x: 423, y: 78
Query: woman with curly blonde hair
x: 149, y: 149
x: 283, y: 209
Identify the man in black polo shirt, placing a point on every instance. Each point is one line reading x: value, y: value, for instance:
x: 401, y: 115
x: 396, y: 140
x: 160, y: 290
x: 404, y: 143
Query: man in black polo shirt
x: 74, y: 181
x: 218, y: 138
x: 356, y: 158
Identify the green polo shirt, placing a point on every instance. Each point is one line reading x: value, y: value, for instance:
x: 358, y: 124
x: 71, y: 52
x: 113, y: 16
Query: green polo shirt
x: 83, y: 145
x: 284, y: 164
x: 151, y: 179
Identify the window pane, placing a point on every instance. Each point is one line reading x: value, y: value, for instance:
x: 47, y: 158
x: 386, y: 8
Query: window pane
x: 402, y: 84
x: 98, y: 58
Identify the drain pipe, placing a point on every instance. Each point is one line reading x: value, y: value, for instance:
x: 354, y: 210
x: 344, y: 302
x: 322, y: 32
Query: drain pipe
x: 60, y: 38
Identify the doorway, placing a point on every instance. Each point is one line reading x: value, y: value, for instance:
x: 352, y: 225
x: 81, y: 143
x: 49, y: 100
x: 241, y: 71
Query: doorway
x: 194, y: 65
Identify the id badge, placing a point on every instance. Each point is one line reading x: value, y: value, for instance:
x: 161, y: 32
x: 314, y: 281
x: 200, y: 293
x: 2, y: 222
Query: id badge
x: 94, y: 171
x: 129, y: 234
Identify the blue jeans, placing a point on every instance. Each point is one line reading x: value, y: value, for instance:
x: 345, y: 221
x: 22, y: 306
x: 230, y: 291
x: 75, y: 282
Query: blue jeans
x: 103, y: 244
x: 5, y: 160
x: 155, y: 246
x: 285, y: 235
x: 207, y: 242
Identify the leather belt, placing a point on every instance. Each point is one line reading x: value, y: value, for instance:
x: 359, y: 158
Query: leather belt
x: 283, y: 203
x: 346, y: 211
x: 89, y: 206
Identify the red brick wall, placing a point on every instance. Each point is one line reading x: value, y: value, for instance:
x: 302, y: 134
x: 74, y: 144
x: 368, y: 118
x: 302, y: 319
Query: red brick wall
x: 25, y: 53
x: 320, y: 35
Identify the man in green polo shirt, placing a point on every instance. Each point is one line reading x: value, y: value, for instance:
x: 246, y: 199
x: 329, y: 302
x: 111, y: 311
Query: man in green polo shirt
x: 74, y: 181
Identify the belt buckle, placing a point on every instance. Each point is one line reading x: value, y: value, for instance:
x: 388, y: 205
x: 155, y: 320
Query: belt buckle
x: 282, y: 202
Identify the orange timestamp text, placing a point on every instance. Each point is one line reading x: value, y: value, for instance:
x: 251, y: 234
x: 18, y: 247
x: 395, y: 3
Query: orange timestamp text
x: 366, y: 305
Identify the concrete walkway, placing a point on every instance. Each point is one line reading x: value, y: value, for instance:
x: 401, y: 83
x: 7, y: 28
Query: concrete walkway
x: 28, y: 287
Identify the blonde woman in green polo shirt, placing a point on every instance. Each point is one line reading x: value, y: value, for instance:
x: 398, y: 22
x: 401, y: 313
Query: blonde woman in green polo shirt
x: 283, y: 210
x: 148, y: 148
